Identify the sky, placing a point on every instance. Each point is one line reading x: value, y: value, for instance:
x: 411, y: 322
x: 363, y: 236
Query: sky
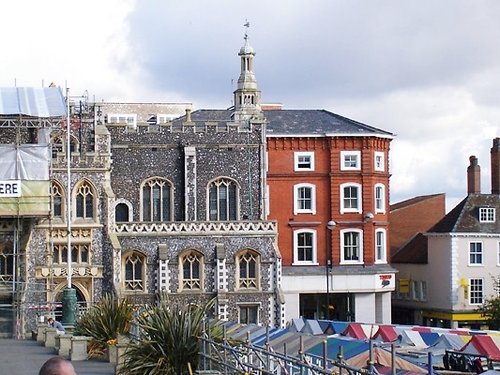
x: 428, y: 71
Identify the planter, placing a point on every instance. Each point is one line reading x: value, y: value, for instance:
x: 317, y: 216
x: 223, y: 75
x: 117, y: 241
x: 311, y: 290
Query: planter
x: 112, y: 354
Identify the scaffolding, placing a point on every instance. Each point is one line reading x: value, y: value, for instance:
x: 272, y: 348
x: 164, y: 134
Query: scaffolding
x: 27, y: 116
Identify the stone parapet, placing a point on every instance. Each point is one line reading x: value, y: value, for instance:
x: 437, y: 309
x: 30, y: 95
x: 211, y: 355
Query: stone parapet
x: 201, y: 228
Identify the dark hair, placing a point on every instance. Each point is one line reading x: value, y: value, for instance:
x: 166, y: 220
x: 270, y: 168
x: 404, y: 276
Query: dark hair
x: 53, y: 366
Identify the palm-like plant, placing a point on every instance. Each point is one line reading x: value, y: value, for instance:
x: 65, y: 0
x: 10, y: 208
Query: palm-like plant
x: 169, y: 340
x: 105, y: 321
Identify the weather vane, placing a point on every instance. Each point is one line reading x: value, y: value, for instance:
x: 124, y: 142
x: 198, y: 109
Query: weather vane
x: 247, y: 25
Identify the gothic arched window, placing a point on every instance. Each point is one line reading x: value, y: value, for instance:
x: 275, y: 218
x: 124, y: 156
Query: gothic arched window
x: 223, y: 200
x: 57, y: 200
x: 134, y: 272
x: 85, y: 201
x: 248, y: 263
x: 157, y: 200
x: 192, y: 270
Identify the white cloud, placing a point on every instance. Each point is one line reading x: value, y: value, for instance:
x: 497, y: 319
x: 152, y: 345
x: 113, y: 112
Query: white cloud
x: 78, y: 44
x: 427, y: 71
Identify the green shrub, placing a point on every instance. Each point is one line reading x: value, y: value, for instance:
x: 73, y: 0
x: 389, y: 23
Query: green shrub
x: 105, y: 321
x: 169, y: 340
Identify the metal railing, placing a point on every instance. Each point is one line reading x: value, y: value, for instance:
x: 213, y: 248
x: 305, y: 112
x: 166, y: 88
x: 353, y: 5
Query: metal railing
x: 228, y: 357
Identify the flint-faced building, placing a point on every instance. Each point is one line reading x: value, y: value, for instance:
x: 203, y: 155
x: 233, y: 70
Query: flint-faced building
x: 184, y: 200
x: 159, y: 201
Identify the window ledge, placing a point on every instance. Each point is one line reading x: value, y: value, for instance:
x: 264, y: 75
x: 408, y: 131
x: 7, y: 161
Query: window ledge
x: 305, y: 264
x: 351, y: 263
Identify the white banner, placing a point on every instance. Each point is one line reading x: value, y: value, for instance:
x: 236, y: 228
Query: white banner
x: 10, y: 188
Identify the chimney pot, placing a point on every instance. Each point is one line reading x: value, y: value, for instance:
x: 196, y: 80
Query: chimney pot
x: 473, y: 176
x: 495, y: 166
x: 188, y: 115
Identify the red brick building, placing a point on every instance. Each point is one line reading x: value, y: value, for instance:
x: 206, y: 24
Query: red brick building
x: 328, y: 179
x: 412, y: 216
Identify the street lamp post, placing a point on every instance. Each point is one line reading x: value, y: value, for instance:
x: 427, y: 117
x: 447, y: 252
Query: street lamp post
x: 328, y: 266
x: 69, y: 293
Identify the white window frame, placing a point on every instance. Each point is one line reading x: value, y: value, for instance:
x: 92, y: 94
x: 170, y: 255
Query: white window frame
x: 343, y: 209
x: 476, y: 253
x: 415, y: 290
x: 122, y: 118
x: 474, y: 295
x: 498, y: 254
x: 348, y: 154
x: 268, y: 200
x: 418, y: 290
x: 487, y: 214
x: 379, y: 208
x: 314, y: 251
x: 423, y: 285
x: 163, y: 118
x: 342, y: 245
x: 379, y: 161
x: 383, y: 257
x: 297, y: 164
x: 296, y: 205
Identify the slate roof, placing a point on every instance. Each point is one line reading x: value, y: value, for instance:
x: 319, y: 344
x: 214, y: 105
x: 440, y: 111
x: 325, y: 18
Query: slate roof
x: 414, y: 251
x: 464, y: 218
x: 215, y: 115
x: 303, y: 122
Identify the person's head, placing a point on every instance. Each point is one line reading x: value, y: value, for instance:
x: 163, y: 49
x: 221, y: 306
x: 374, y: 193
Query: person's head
x: 50, y: 321
x: 57, y: 366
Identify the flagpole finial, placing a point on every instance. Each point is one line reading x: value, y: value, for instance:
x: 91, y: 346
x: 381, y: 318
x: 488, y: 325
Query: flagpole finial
x: 247, y: 25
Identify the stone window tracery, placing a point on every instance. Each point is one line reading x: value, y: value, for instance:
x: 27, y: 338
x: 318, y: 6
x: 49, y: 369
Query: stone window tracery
x: 192, y: 270
x: 85, y: 198
x: 6, y: 264
x: 248, y: 270
x: 134, y: 272
x: 57, y: 200
x: 157, y: 200
x: 223, y: 200
x: 80, y: 254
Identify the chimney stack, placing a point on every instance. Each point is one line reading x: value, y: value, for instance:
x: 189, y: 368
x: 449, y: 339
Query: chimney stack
x: 495, y: 166
x: 473, y: 176
x: 188, y: 115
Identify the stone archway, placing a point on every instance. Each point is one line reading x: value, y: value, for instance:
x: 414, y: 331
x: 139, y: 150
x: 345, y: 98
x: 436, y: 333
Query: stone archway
x: 82, y: 297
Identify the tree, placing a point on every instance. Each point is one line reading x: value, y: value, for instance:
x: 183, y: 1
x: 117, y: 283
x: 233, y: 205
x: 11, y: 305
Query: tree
x: 491, y: 307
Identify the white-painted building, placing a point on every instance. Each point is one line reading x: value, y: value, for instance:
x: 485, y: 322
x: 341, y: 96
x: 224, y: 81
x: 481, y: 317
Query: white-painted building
x: 462, y: 264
